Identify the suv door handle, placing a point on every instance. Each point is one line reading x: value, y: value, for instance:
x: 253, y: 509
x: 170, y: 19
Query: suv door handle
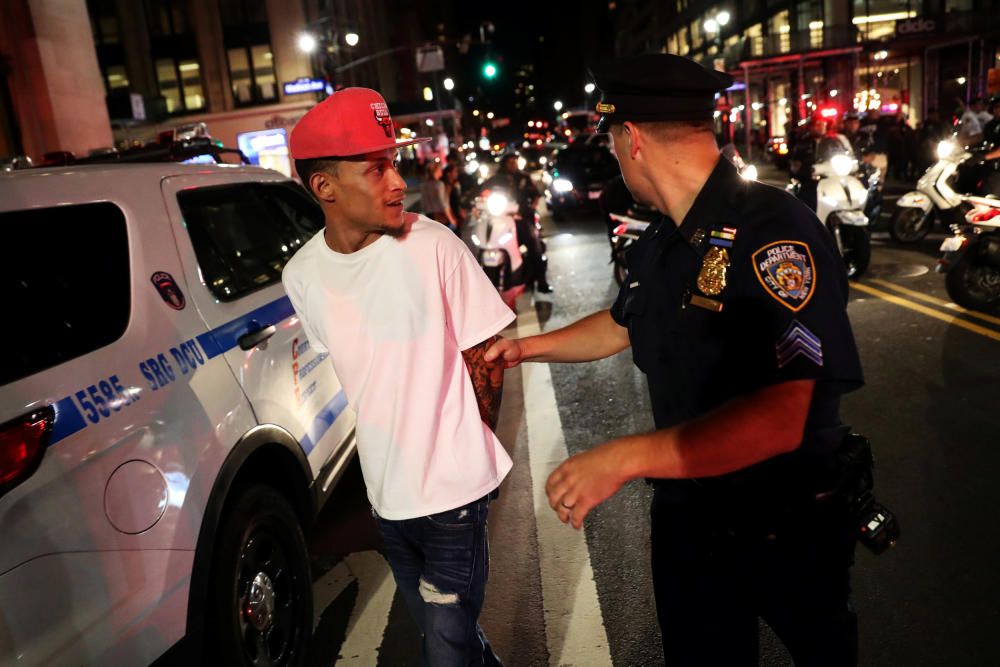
x: 252, y: 339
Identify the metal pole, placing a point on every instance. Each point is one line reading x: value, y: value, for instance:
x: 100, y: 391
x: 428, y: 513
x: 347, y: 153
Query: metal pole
x: 968, y: 76
x: 749, y: 109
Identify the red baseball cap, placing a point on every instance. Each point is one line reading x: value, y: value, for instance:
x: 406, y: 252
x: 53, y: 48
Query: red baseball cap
x: 352, y: 121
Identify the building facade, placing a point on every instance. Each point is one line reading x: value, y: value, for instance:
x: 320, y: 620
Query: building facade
x: 795, y: 58
x: 79, y: 75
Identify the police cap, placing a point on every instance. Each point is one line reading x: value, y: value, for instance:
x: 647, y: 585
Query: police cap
x: 656, y: 87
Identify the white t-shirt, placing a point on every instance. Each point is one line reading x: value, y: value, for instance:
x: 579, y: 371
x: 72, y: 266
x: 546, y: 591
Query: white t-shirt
x: 395, y: 317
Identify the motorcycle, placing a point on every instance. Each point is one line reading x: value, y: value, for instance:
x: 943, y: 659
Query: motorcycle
x: 935, y: 196
x: 971, y: 256
x: 491, y: 234
x: 840, y: 200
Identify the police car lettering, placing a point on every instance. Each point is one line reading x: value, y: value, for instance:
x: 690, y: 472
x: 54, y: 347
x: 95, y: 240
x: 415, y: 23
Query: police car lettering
x: 99, y: 401
x: 158, y: 370
x: 785, y: 269
x: 312, y: 365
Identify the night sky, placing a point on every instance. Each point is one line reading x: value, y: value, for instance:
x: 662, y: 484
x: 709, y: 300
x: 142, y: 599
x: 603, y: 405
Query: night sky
x: 558, y: 36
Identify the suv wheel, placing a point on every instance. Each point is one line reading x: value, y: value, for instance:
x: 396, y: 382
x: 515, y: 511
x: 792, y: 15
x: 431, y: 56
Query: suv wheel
x: 261, y: 600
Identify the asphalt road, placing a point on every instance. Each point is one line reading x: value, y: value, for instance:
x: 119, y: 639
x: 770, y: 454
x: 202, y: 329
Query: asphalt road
x: 557, y: 597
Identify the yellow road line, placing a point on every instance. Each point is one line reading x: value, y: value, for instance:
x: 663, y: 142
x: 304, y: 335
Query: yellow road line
x: 930, y: 312
x: 941, y: 302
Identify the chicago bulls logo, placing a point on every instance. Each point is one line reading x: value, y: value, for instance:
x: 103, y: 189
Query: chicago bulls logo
x: 381, y: 112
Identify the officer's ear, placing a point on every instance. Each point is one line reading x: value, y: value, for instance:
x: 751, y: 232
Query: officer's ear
x: 633, y: 137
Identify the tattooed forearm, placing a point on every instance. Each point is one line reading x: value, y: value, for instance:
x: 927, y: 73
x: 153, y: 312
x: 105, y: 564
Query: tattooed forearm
x: 487, y: 380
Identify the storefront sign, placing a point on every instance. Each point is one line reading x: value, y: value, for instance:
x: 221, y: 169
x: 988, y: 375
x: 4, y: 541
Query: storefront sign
x: 916, y: 26
x: 304, y: 85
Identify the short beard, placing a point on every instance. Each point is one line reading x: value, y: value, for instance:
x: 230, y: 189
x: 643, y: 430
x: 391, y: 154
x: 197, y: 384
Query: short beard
x: 398, y: 232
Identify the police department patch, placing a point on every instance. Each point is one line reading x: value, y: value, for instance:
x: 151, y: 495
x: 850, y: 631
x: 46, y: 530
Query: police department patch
x: 785, y: 268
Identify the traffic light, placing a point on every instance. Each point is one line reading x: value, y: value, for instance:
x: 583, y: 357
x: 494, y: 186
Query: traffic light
x: 489, y: 70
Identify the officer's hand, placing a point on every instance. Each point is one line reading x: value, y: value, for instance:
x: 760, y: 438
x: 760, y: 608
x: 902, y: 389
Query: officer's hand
x: 584, y: 481
x: 507, y: 349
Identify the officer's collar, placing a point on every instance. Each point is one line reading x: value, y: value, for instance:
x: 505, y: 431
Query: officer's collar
x: 714, y: 205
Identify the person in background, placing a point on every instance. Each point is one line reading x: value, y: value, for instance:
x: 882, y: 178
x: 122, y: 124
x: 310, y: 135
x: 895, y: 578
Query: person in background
x: 972, y: 120
x: 930, y: 132
x: 529, y: 236
x: 434, y: 199
x: 453, y: 190
x: 877, y: 130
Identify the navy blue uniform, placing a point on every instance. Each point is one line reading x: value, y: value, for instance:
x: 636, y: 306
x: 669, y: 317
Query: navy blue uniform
x: 748, y: 291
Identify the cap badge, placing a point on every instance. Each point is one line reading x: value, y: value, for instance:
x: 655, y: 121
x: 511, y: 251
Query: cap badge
x: 603, y: 107
x: 382, y: 117
x: 712, y: 277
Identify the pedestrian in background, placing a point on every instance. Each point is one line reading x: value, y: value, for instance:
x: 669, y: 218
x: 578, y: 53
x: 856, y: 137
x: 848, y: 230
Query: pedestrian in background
x: 735, y: 309
x: 434, y: 198
x: 453, y: 192
x: 877, y: 130
x: 406, y: 315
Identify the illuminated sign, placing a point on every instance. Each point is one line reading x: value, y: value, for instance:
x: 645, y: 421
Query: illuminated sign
x: 303, y: 86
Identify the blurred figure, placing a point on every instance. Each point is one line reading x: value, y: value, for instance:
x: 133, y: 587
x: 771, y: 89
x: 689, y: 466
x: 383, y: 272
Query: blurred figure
x: 973, y: 118
x: 453, y: 191
x: 509, y: 178
x: 877, y: 130
x: 930, y: 132
x: 433, y: 198
x: 529, y: 236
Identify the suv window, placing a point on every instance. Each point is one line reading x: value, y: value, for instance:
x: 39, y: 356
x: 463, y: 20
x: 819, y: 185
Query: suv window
x: 243, y: 235
x: 64, y: 282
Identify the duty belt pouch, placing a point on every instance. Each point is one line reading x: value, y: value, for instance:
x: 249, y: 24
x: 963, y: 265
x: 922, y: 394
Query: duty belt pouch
x: 878, y: 529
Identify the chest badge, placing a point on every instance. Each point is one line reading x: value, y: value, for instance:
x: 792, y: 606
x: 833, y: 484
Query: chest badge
x: 712, y: 277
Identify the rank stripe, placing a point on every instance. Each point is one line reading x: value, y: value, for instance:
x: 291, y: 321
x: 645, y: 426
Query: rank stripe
x: 940, y: 302
x: 930, y: 312
x: 799, y: 349
x: 786, y: 344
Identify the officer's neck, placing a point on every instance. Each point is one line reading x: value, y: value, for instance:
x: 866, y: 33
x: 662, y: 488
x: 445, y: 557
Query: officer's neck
x: 679, y: 174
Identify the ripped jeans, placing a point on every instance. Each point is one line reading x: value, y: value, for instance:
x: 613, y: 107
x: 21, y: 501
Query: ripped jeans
x: 441, y: 563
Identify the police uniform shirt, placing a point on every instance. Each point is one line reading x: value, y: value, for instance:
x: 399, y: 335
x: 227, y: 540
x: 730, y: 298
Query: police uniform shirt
x: 778, y: 314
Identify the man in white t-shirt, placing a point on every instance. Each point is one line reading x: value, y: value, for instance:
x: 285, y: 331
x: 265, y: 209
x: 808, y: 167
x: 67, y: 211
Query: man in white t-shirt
x: 406, y: 315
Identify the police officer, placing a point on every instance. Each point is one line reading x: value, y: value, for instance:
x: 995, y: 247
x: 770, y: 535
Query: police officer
x: 735, y: 309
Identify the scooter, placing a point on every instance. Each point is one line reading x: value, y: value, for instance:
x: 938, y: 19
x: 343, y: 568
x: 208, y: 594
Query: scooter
x: 491, y: 234
x: 934, y: 197
x: 841, y: 199
x: 971, y: 257
x: 626, y: 232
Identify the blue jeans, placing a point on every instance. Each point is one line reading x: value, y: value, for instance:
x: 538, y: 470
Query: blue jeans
x: 441, y: 563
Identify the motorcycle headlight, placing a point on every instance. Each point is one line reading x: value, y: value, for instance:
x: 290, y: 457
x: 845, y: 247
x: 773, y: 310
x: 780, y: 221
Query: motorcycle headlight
x: 471, y: 167
x: 749, y: 173
x: 521, y: 163
x: 945, y: 148
x: 497, y: 203
x: 562, y: 185
x: 842, y: 164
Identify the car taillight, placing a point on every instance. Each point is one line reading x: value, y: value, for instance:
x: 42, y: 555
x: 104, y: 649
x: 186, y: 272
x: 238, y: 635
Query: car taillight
x: 621, y: 229
x: 22, y: 445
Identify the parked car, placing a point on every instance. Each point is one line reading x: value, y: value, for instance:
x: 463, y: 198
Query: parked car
x: 167, y: 433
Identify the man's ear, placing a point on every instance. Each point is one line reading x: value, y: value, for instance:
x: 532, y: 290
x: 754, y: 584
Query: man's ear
x: 324, y: 186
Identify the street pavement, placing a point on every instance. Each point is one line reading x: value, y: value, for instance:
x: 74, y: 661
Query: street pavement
x: 561, y: 597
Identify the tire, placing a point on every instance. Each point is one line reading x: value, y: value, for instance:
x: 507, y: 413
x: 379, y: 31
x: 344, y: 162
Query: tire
x: 261, y: 549
x: 973, y: 284
x: 909, y: 225
x: 857, y: 249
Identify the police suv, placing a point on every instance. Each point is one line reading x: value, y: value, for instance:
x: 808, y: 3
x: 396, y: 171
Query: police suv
x: 166, y: 431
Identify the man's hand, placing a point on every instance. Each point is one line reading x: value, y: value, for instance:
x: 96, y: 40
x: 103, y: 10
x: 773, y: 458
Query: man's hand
x: 507, y: 349
x: 584, y: 481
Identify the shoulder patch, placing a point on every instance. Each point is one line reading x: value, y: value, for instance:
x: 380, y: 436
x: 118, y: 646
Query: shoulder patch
x: 785, y: 269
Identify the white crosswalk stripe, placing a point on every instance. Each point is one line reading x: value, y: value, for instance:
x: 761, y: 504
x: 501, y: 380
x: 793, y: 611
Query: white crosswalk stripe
x: 574, y: 626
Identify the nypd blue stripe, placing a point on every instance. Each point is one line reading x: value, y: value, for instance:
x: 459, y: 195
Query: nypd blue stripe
x: 223, y: 338
x: 324, y: 420
x: 68, y: 420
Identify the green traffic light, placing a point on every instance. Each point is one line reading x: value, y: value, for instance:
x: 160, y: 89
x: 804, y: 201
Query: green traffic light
x: 489, y: 70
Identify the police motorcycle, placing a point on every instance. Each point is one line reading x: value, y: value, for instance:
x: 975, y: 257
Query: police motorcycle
x: 971, y: 256
x: 491, y: 234
x: 938, y: 194
x: 840, y: 200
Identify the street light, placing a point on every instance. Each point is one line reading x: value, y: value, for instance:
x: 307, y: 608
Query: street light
x: 589, y: 88
x: 307, y: 43
x: 449, y: 84
x: 711, y: 26
x: 351, y: 38
x: 558, y: 105
x: 428, y: 93
x: 722, y: 18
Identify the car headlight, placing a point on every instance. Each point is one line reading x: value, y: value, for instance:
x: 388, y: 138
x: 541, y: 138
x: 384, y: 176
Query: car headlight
x: 749, y: 173
x: 562, y: 185
x: 945, y: 148
x: 471, y: 167
x: 484, y: 171
x: 842, y: 164
x: 497, y: 203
